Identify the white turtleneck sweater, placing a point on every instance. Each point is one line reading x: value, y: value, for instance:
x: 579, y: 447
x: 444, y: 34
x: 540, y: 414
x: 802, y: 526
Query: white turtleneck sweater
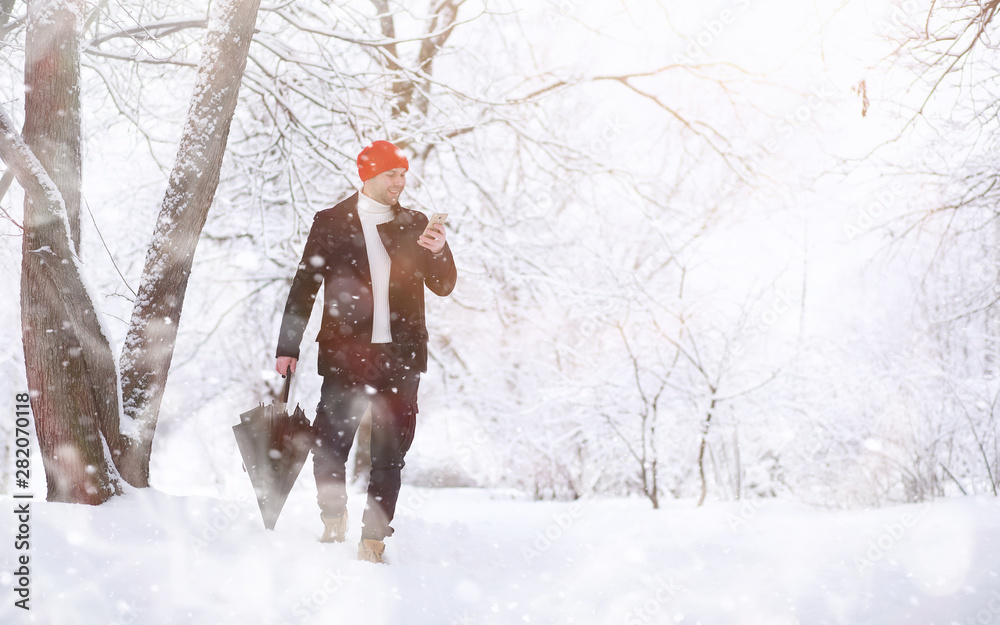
x: 372, y: 214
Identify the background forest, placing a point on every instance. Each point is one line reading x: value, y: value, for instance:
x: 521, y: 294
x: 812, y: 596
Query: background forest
x: 724, y: 250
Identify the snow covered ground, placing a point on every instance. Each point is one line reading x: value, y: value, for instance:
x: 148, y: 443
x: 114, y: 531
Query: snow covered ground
x: 466, y: 556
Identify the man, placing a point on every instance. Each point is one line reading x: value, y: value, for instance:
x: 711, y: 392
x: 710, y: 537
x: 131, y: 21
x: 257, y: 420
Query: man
x: 374, y: 258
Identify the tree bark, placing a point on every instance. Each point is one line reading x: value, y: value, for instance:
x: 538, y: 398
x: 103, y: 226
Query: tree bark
x: 152, y: 335
x: 402, y: 88
x: 70, y: 364
x: 445, y: 15
x: 405, y: 94
x: 701, y: 449
x: 69, y: 367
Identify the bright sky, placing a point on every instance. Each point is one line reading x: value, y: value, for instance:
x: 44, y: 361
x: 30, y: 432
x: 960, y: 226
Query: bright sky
x: 809, y: 45
x: 760, y: 35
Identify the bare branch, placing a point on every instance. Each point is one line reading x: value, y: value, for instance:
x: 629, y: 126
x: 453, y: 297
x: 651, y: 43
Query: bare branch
x: 149, y: 31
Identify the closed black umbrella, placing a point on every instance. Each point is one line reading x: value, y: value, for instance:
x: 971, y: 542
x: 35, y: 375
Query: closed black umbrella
x: 274, y: 446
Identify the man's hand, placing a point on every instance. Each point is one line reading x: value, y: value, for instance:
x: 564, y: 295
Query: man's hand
x: 433, y: 238
x: 284, y: 364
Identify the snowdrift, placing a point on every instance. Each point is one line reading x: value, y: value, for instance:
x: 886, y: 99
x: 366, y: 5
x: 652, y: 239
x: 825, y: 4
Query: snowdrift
x: 491, y: 557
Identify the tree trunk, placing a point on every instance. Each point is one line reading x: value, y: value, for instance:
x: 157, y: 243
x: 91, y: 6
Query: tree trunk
x: 70, y: 365
x: 402, y: 88
x: 405, y: 91
x: 701, y: 448
x: 152, y: 335
x: 445, y: 14
x: 68, y: 360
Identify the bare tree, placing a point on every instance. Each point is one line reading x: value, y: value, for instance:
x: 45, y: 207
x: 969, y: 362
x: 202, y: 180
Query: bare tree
x: 88, y: 440
x: 651, y: 387
x: 152, y: 333
x: 68, y: 357
x: 945, y: 60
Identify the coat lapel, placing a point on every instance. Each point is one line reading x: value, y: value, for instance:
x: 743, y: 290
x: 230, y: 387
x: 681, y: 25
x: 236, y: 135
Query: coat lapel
x: 394, y: 233
x: 349, y: 245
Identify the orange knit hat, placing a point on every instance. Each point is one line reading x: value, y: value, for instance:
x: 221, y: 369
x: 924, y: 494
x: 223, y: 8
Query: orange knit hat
x: 378, y: 157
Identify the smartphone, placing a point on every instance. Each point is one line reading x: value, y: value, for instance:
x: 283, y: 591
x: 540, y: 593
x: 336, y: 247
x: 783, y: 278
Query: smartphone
x: 437, y: 218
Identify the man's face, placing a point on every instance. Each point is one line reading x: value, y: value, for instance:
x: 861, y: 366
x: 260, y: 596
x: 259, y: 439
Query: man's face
x: 387, y: 186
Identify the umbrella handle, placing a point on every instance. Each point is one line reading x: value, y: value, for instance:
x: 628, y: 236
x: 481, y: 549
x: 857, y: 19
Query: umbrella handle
x: 288, y: 385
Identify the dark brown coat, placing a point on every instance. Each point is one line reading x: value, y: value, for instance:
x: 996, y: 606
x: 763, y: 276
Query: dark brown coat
x: 335, y: 255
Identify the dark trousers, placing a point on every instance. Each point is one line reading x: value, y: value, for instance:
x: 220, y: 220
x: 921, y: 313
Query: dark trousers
x: 390, y: 384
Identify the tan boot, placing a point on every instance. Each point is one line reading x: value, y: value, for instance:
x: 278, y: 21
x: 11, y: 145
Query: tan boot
x: 334, y: 529
x: 371, y: 550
